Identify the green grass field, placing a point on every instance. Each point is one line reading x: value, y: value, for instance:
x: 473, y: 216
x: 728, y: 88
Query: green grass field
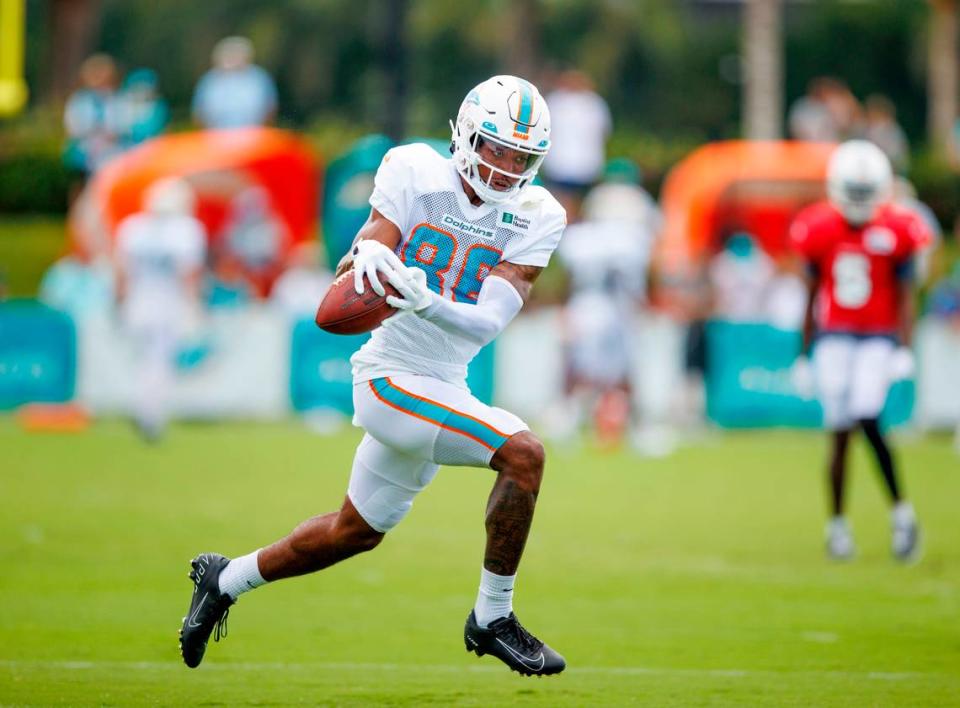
x: 694, y: 580
x: 28, y: 246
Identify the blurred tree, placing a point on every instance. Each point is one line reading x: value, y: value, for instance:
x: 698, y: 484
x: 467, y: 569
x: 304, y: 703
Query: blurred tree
x: 874, y: 46
x: 670, y: 69
x: 74, y: 27
x: 942, y: 74
x: 763, y: 65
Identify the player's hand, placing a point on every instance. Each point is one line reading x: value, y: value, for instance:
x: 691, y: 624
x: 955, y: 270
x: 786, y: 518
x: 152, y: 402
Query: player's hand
x: 371, y: 257
x: 416, y: 295
x: 902, y: 364
x: 801, y: 376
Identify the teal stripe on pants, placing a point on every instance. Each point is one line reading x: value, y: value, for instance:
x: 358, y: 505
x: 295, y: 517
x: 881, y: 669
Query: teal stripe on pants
x: 438, y: 414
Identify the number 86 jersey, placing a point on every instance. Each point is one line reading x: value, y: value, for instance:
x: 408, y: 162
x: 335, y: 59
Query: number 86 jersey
x: 859, y: 266
x: 457, y: 244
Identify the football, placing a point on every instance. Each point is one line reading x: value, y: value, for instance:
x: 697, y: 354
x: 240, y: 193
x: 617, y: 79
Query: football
x: 343, y: 311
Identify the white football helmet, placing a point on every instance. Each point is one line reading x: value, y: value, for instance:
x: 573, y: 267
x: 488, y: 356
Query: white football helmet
x: 859, y: 179
x: 508, y: 111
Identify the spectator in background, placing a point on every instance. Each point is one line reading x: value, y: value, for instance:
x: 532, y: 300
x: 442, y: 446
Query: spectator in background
x: 944, y: 300
x: 143, y: 113
x: 785, y: 301
x: 299, y: 289
x: 91, y: 121
x: 741, y: 276
x: 881, y: 129
x: 828, y: 112
x: 160, y: 254
x: 809, y: 117
x: 845, y: 109
x: 581, y: 126
x: 944, y: 304
x: 234, y: 93
x: 256, y: 236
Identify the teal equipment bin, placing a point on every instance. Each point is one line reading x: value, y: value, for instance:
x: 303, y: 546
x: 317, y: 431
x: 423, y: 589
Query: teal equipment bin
x: 38, y: 354
x: 748, y: 381
x: 320, y: 375
x: 348, y: 184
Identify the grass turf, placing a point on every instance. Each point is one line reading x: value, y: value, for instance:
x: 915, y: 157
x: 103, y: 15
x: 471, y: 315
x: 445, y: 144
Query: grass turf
x: 693, y: 580
x: 28, y: 246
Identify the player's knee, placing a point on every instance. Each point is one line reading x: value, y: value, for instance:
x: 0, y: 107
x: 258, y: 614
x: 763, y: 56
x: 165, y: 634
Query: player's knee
x: 522, y: 457
x: 356, y: 534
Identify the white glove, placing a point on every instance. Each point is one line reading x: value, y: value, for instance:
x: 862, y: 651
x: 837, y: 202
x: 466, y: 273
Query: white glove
x: 371, y: 256
x: 416, y: 295
x: 902, y: 364
x: 801, y: 376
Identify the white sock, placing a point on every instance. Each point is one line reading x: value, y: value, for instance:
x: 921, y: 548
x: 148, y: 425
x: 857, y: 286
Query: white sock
x: 241, y: 575
x: 495, y: 599
x: 903, y: 513
x: 838, y: 523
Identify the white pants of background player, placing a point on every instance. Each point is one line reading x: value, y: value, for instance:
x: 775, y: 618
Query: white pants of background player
x: 413, y: 425
x: 852, y: 378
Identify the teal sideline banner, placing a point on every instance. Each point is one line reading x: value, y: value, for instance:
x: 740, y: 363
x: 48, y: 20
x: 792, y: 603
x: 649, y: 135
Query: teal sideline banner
x: 748, y: 380
x: 38, y: 354
x: 320, y: 369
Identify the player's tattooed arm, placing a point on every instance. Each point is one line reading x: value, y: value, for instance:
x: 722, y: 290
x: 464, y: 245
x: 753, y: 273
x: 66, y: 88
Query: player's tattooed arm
x: 376, y: 228
x: 521, y: 277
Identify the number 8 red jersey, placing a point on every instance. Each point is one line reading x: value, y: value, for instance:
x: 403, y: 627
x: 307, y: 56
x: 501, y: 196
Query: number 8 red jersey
x: 859, y: 266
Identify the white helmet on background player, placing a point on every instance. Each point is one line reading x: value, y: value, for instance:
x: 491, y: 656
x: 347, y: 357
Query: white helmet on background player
x: 859, y: 179
x: 507, y: 111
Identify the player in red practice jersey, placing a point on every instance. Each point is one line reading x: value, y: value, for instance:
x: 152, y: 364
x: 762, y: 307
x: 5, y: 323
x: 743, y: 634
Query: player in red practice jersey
x: 860, y: 250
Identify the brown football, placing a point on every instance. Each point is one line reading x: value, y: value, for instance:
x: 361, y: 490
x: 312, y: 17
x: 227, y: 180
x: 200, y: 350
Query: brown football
x: 342, y: 311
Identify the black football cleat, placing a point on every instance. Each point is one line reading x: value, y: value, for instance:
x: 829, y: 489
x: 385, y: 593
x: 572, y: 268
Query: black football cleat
x: 507, y: 640
x: 208, y: 608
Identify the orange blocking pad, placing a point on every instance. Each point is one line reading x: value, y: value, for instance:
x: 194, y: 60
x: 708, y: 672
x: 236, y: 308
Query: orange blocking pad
x: 738, y: 185
x: 218, y: 164
x: 54, y: 417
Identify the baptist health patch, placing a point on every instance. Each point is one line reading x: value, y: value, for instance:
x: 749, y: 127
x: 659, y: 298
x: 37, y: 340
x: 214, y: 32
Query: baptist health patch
x: 517, y: 222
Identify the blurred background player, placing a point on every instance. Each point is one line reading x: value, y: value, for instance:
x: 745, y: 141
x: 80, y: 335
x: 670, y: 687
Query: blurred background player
x: 860, y: 249
x: 582, y: 125
x: 235, y: 92
x: 607, y: 256
x: 463, y: 241
x: 160, y: 255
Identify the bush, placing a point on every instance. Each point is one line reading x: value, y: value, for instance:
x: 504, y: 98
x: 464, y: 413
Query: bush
x: 938, y: 186
x: 33, y: 178
x: 33, y: 183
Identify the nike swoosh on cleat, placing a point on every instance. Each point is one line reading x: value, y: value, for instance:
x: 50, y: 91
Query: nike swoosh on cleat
x: 524, y: 659
x: 192, y: 623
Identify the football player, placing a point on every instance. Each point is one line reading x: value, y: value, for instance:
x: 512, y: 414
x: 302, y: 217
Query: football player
x: 463, y: 241
x: 607, y: 257
x: 160, y: 254
x: 860, y: 248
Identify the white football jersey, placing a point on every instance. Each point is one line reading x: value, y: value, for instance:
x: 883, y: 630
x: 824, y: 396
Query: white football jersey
x: 155, y: 253
x: 457, y: 245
